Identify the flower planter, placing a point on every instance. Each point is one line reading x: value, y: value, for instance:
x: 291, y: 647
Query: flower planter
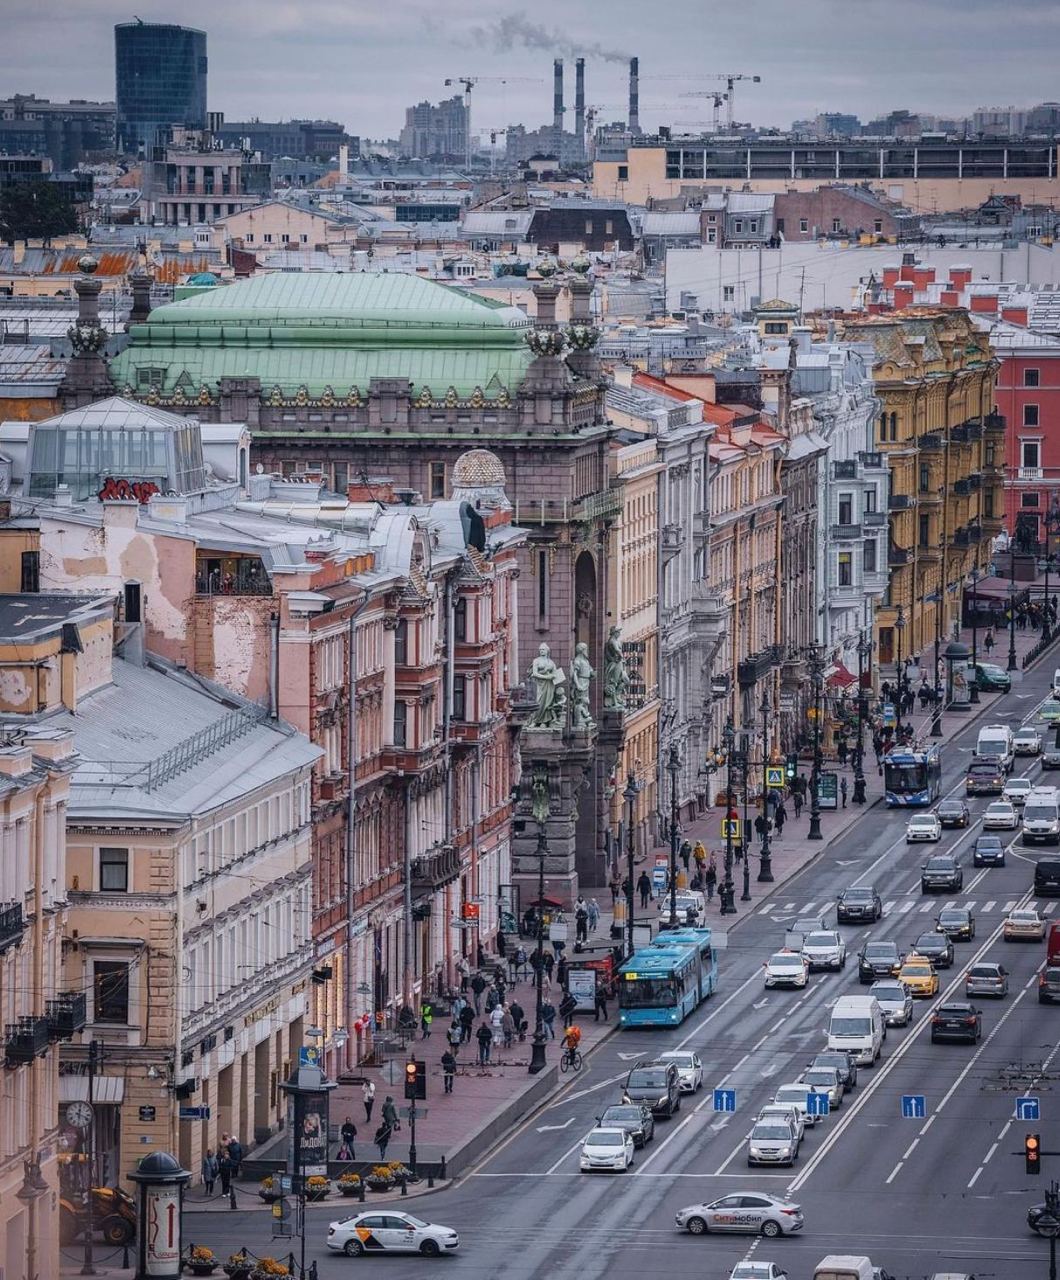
x: 200, y: 1268
x: 317, y: 1195
x: 377, y: 1184
x: 237, y: 1270
x: 346, y: 1189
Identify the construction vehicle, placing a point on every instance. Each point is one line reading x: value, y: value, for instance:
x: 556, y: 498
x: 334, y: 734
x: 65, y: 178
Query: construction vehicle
x: 113, y: 1210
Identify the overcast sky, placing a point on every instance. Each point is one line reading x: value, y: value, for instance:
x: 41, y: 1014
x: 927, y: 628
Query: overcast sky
x: 362, y: 63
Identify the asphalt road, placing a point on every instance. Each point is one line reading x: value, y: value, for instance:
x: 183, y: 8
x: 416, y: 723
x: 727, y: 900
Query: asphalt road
x: 943, y: 1193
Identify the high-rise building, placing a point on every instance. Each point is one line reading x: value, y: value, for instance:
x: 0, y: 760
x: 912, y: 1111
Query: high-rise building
x: 160, y: 74
x: 435, y: 130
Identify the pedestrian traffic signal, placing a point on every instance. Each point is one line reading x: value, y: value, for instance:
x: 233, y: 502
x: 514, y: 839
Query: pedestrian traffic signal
x: 791, y: 768
x: 1032, y: 1153
x: 415, y: 1080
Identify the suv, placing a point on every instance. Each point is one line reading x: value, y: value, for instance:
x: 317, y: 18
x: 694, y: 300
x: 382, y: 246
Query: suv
x: 657, y: 1085
x: 1049, y: 985
x: 1047, y: 877
x: 943, y: 872
x: 985, y: 777
x: 856, y: 905
x: 989, y: 851
x: 878, y: 960
x: 844, y: 1062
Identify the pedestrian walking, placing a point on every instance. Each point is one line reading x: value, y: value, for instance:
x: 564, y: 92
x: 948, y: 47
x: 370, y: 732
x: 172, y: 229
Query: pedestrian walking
x: 508, y: 1027
x: 348, y: 1134
x: 224, y: 1169
x: 463, y: 970
x: 594, y: 914
x: 209, y: 1171
x: 478, y: 985
x: 235, y: 1154
x: 780, y: 816
x: 390, y: 1115
x: 843, y: 791
x: 700, y: 856
x: 644, y: 889
x: 600, y: 1004
x: 581, y: 921
x: 988, y: 642
x: 711, y: 878
x: 550, y: 964
x: 454, y: 1037
x: 368, y: 1094
x: 686, y: 854
x: 426, y: 1018
x: 548, y: 1018
x: 484, y: 1036
x: 467, y: 1021
x: 519, y: 1018
x: 448, y: 1069
x: 521, y: 965
x: 382, y: 1139
x: 796, y: 802
x: 497, y: 1022
x: 567, y: 1007
x: 562, y: 969
x: 761, y: 824
x: 841, y: 751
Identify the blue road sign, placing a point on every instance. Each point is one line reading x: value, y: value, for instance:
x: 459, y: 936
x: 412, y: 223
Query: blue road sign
x: 195, y: 1113
x: 724, y: 1099
x: 1028, y: 1109
x: 913, y: 1106
x: 817, y: 1104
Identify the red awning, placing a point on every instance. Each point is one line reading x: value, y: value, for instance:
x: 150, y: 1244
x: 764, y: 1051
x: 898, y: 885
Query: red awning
x: 839, y: 677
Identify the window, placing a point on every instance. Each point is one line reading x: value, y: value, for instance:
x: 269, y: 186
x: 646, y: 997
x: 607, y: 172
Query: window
x: 609, y: 227
x: 925, y: 531
x: 401, y: 643
x: 752, y: 226
x: 804, y: 225
x: 728, y: 293
x: 460, y: 619
x: 460, y: 697
x: 588, y: 226
x: 114, y: 870
x: 304, y: 239
x: 285, y: 238
x: 437, y: 477
x: 894, y: 426
x: 110, y: 984
x: 870, y: 501
x: 401, y: 712
x: 836, y: 224
x: 1030, y: 453
x: 776, y: 326
x: 877, y: 226
x: 267, y: 237
x: 925, y: 477
x: 30, y: 571
x: 1029, y: 500
x: 249, y: 238
x: 1030, y: 415
x: 780, y: 226
x: 846, y: 568
x: 869, y: 561
x: 623, y: 173
x: 988, y: 503
x: 1030, y: 377
x: 542, y: 588
x: 846, y: 508
x: 737, y: 227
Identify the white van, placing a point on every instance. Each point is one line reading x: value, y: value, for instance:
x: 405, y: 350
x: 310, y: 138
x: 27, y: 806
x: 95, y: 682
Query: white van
x: 845, y: 1266
x: 1056, y: 683
x: 857, y: 1025
x: 995, y: 742
x: 1041, y: 816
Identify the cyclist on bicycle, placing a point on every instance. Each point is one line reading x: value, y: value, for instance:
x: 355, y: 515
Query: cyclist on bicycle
x: 571, y: 1039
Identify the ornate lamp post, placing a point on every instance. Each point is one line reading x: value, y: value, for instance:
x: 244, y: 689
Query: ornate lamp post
x: 1052, y: 525
x: 765, y: 867
x: 973, y: 692
x: 899, y: 626
x: 537, y: 1052
x: 816, y: 673
x: 629, y: 794
x: 864, y: 651
x: 727, y: 891
x: 936, y: 715
x: 1012, y: 663
x: 745, y: 770
x: 673, y: 766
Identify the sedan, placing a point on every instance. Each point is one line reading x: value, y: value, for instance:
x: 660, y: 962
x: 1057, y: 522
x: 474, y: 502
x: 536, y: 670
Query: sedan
x: 824, y: 1080
x: 787, y: 969
x: 753, y: 1214
x: 854, y: 906
x: 1017, y: 790
x: 878, y: 960
x: 1026, y: 742
x: 919, y: 976
x: 1049, y: 985
x: 772, y: 1142
x: 606, y: 1149
x: 1000, y: 816
x: 689, y: 1069
x: 954, y: 813
x: 923, y: 826
x: 787, y: 1113
x: 634, y: 1117
x: 941, y: 873
x: 986, y: 979
x: 988, y: 852
x: 956, y: 1020
x: 749, y: 1269
x: 796, y: 1095
x: 844, y: 1062
x: 936, y: 947
x: 895, y: 1002
x: 390, y: 1232
x: 825, y: 950
x: 957, y: 923
x: 991, y: 678
x: 1024, y: 924
x: 1049, y: 711
x: 1050, y: 758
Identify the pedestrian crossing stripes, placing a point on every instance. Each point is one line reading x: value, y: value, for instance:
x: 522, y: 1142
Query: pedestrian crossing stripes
x: 923, y: 906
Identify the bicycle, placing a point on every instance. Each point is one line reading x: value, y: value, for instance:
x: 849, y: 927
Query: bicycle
x: 571, y: 1060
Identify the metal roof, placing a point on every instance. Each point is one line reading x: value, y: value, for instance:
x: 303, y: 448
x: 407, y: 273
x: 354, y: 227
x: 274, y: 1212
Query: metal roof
x: 670, y: 224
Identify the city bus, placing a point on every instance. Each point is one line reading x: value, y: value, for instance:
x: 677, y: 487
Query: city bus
x: 912, y: 776
x: 661, y: 984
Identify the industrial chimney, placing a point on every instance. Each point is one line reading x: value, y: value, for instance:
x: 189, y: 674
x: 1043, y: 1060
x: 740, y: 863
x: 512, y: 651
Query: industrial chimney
x: 634, y: 95
x: 557, y: 94
x: 579, y: 100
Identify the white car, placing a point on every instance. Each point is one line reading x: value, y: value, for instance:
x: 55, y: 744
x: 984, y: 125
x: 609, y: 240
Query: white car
x: 749, y: 1269
x: 390, y: 1232
x: 796, y: 1094
x: 772, y: 1142
x: 923, y: 826
x: 825, y: 950
x: 689, y: 1069
x: 896, y: 1004
x: 787, y: 969
x: 1023, y: 923
x: 786, y: 1111
x: 1026, y: 742
x: 1000, y: 816
x: 1016, y: 790
x: 607, y: 1149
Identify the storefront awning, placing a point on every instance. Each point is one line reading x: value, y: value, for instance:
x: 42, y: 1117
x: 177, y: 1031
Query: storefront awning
x: 105, y: 1089
x: 839, y: 677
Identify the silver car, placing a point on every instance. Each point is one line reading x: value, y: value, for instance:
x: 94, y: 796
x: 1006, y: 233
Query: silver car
x: 896, y: 1004
x: 748, y: 1212
x: 825, y: 950
x: 826, y: 1080
x: 772, y: 1142
x: 986, y: 979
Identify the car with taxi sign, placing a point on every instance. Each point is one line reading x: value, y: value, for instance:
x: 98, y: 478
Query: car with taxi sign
x: 390, y: 1232
x: 746, y: 1212
x: 918, y: 976
x: 606, y: 1149
x: 787, y: 969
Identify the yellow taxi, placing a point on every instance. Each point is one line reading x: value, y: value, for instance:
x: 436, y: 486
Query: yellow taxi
x: 918, y: 976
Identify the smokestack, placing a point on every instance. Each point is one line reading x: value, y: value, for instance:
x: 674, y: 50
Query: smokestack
x: 579, y: 98
x: 557, y: 94
x: 634, y: 95
x: 344, y: 163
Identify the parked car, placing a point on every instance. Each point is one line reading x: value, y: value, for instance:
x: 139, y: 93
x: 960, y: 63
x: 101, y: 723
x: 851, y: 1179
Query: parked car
x: 956, y: 1020
x: 856, y: 905
x: 989, y: 851
x: 923, y: 826
x: 954, y: 813
x: 986, y: 978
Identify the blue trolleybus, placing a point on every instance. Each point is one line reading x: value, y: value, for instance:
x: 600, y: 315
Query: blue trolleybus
x: 912, y: 776
x: 660, y: 985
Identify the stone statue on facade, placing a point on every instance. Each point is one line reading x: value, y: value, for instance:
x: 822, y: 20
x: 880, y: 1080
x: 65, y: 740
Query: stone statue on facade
x: 539, y: 801
x: 551, y: 708
x: 581, y: 675
x: 616, y: 677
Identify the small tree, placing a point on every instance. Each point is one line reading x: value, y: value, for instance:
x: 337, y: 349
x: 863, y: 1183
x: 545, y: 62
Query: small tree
x: 35, y: 211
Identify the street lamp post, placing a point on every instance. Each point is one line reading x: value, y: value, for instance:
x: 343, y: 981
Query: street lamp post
x: 899, y: 626
x: 864, y: 650
x: 629, y: 794
x: 727, y: 892
x: 745, y: 769
x: 1052, y: 525
x: 816, y: 669
x: 973, y: 692
x: 765, y: 861
x: 673, y: 765
x: 1012, y: 663
x: 936, y: 715
x: 537, y: 1051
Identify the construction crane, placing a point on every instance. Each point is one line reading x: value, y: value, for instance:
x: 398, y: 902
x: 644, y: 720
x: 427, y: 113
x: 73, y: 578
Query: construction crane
x: 718, y: 98
x: 730, y: 79
x: 469, y: 83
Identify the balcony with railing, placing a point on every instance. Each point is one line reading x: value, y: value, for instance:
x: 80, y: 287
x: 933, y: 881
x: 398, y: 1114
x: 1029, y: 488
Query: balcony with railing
x: 846, y: 533
x: 12, y: 925
x: 961, y: 537
x: 846, y: 469
x: 897, y: 556
x: 25, y: 1040
x: 873, y: 460
x: 899, y: 502
x: 231, y: 576
x: 874, y: 519
x: 995, y: 424
x: 931, y: 443
x: 436, y: 869
x: 961, y: 488
x: 67, y: 1014
x: 1030, y: 473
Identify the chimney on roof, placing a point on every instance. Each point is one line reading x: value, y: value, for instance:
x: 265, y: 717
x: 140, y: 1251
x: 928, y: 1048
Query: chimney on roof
x: 557, y: 95
x: 634, y: 95
x: 344, y: 163
x: 579, y: 98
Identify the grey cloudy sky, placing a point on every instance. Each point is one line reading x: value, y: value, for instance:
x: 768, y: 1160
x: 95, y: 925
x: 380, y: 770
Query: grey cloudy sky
x: 362, y: 63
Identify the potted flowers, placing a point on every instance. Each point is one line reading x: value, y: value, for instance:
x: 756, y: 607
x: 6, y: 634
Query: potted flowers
x: 269, y: 1189
x: 201, y: 1261
x: 238, y: 1266
x: 267, y: 1268
x: 349, y: 1184
x: 399, y: 1171
x: 380, y: 1178
x: 316, y: 1187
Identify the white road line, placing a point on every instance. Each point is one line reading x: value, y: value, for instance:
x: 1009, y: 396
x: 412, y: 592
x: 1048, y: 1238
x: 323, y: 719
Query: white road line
x: 895, y: 1172
x: 904, y: 907
x: 807, y: 910
x: 1049, y: 908
x: 1009, y: 906
x: 911, y: 1148
x: 975, y: 1177
x: 989, y: 906
x: 928, y: 906
x: 569, y: 1152
x: 888, y: 907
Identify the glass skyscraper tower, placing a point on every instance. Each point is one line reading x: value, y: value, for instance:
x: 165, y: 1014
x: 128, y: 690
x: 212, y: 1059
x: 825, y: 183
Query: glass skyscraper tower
x: 161, y: 81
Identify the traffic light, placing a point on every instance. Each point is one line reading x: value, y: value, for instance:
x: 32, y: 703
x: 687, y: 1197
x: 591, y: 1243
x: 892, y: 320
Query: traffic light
x: 415, y: 1080
x: 791, y: 767
x: 1032, y: 1153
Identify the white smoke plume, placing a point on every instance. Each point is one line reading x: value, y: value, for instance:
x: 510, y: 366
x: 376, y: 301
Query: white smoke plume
x: 516, y: 31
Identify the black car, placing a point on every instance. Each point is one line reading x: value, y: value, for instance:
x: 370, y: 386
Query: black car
x: 954, y: 813
x: 1049, y: 985
x: 844, y: 1063
x: 657, y: 1085
x: 956, y: 1020
x: 937, y: 947
x: 957, y: 923
x: 989, y: 851
x: 940, y: 874
x: 634, y: 1117
x: 1050, y: 758
x: 1047, y: 877
x: 853, y: 906
x: 878, y: 960
x: 984, y: 778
